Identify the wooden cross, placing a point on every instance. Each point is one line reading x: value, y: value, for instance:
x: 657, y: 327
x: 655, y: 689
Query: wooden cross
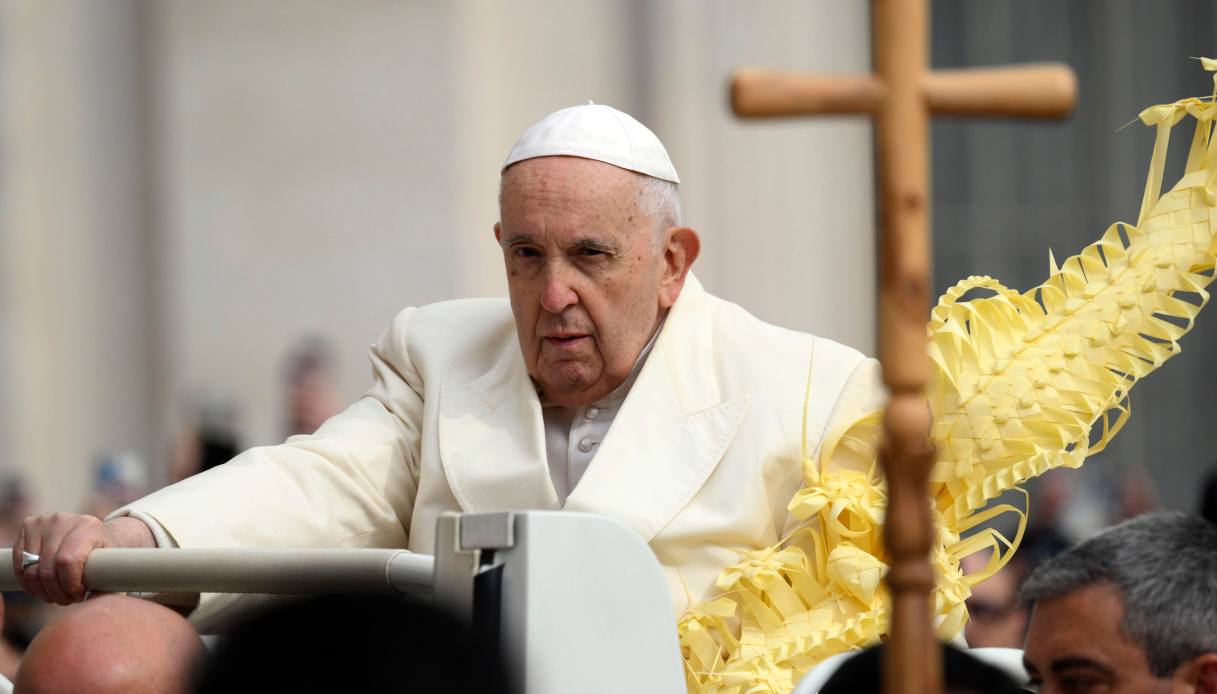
x: 901, y: 96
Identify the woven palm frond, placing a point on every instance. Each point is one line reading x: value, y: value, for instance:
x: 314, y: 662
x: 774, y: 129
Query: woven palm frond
x: 1025, y: 382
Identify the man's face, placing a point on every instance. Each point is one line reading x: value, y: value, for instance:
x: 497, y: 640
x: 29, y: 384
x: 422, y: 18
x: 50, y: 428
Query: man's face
x: 995, y: 616
x: 1074, y: 644
x: 584, y: 273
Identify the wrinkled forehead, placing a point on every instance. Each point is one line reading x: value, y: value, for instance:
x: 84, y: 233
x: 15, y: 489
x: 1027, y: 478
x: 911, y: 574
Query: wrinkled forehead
x: 569, y: 180
x: 560, y: 168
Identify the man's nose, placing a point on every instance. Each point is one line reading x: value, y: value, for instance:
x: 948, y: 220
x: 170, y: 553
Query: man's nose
x: 559, y: 292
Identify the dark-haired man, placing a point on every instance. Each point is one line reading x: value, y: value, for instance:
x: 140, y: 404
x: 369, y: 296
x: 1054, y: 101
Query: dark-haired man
x: 1133, y: 609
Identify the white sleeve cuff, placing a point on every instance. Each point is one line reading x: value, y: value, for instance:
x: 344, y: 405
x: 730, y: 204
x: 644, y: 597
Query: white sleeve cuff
x: 163, y: 539
x: 184, y: 601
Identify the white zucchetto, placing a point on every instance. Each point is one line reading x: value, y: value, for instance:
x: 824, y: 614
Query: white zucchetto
x: 595, y: 131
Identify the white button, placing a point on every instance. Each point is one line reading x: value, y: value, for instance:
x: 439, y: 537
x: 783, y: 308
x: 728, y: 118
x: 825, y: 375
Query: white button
x: 585, y: 445
x: 593, y: 412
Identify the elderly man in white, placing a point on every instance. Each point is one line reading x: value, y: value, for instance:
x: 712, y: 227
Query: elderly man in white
x: 612, y: 384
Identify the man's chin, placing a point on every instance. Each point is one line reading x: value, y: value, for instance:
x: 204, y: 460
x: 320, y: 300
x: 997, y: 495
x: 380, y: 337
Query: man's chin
x: 570, y: 389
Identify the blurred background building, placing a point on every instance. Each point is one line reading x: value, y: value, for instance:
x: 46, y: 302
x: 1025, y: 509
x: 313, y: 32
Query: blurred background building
x: 208, y: 210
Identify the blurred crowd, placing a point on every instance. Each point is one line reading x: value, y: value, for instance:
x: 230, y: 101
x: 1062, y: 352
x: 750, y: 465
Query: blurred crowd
x: 1066, y: 507
x: 211, y: 437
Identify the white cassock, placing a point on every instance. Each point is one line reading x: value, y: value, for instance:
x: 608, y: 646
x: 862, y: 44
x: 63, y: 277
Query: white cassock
x: 700, y: 461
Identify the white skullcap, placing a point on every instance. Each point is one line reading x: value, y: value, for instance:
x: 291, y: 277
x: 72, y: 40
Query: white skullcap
x: 599, y: 132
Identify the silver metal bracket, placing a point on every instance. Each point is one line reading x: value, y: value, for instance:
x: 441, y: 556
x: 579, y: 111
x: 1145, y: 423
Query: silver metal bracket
x: 464, y: 546
x: 486, y: 531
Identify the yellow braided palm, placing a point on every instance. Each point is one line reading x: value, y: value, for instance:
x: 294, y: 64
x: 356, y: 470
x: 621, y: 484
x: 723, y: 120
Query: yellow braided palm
x: 1024, y: 383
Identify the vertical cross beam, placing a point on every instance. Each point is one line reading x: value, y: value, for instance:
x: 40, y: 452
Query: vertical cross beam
x: 901, y: 96
x: 902, y: 142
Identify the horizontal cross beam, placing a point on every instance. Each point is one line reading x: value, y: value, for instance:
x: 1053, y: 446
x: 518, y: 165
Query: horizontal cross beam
x: 1043, y: 90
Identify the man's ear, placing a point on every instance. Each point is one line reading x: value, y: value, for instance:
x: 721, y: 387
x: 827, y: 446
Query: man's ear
x: 498, y: 232
x: 681, y: 247
x: 1197, y: 675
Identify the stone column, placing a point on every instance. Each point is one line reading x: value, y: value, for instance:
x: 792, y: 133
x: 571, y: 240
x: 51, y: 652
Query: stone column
x: 74, y: 247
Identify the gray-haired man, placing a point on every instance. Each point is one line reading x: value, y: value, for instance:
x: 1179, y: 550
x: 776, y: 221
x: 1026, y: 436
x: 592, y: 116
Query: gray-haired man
x: 1133, y: 609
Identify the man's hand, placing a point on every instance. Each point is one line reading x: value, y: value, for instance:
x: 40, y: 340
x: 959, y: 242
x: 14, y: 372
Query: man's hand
x: 63, y: 541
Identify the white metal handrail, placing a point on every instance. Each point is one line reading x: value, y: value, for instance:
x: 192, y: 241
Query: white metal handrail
x: 267, y: 571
